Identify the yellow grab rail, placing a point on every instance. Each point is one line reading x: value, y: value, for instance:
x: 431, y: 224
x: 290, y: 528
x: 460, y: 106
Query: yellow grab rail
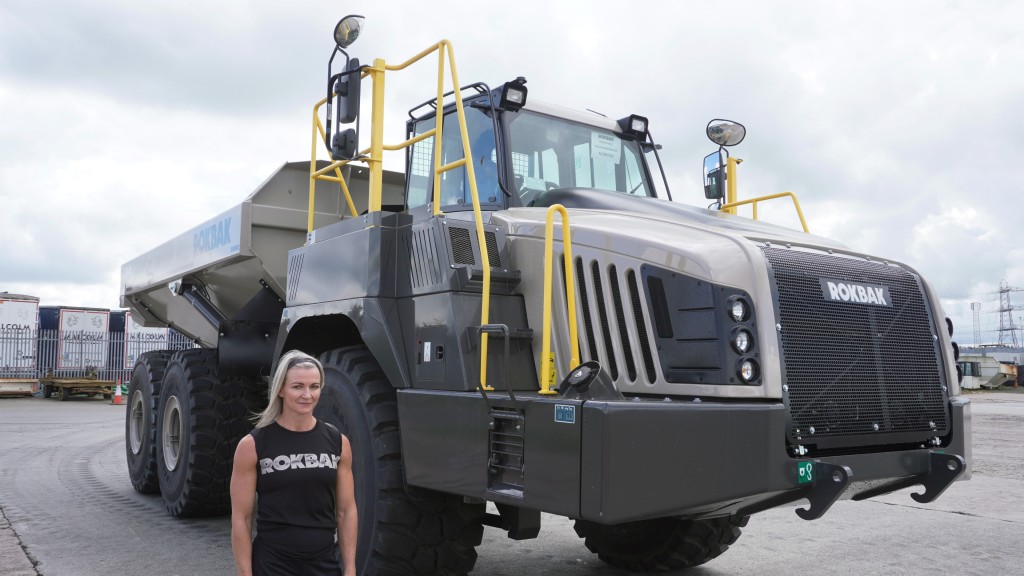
x: 373, y: 157
x: 754, y: 201
x: 570, y: 296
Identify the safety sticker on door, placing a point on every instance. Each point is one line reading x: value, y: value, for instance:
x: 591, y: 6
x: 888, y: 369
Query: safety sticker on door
x: 565, y: 413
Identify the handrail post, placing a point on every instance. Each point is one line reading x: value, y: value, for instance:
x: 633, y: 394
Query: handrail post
x: 376, y: 159
x: 730, y: 184
x: 570, y: 296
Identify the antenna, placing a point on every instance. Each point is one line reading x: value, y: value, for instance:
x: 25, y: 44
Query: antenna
x: 976, y: 310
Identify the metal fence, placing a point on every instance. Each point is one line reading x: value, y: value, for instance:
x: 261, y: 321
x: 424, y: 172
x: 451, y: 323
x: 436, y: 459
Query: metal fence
x: 34, y: 354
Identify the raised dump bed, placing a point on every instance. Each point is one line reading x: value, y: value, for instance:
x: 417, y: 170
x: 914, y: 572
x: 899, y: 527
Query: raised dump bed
x: 209, y: 273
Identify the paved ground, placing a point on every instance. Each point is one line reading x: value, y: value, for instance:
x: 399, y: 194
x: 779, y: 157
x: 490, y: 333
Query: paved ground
x: 68, y: 509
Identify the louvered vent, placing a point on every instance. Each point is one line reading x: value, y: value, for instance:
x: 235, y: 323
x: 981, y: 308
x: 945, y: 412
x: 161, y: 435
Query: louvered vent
x: 294, y: 272
x: 424, y: 260
x: 620, y: 316
x: 602, y: 310
x: 641, y: 325
x: 588, y: 322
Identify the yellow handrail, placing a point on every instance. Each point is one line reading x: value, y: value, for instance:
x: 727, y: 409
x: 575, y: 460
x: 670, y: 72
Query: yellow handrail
x: 373, y: 157
x: 570, y: 296
x: 754, y: 201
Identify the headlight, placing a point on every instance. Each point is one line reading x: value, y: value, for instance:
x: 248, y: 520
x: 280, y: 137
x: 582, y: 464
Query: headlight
x: 738, y: 310
x: 748, y: 370
x: 742, y: 341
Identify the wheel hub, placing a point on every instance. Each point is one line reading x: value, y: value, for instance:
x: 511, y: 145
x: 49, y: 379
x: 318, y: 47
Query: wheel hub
x: 171, y: 433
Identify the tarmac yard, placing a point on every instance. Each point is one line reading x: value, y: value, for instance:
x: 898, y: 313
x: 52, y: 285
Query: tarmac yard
x: 68, y: 509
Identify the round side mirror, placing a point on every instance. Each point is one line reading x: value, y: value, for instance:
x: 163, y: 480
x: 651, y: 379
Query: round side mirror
x: 347, y: 30
x: 726, y: 132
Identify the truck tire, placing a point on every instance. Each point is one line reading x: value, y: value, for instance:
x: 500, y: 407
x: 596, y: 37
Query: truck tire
x: 200, y: 420
x: 65, y: 393
x: 140, y: 420
x: 47, y: 390
x: 661, y: 544
x: 401, y: 530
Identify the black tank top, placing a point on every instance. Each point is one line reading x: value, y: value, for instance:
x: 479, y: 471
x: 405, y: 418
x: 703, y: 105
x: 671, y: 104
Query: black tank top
x: 296, y: 480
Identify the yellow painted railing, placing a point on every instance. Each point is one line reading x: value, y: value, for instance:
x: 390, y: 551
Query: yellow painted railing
x: 731, y: 203
x: 373, y: 158
x: 570, y: 296
x: 755, y: 201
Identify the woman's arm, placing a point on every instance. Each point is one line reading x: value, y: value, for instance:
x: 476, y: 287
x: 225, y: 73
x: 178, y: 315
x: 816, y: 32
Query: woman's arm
x: 243, y: 496
x: 348, y: 523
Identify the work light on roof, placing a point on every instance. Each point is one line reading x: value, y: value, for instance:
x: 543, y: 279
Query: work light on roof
x: 513, y: 95
x: 347, y: 30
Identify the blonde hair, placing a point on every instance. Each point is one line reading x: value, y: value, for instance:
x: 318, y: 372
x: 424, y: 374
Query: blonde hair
x: 274, y: 403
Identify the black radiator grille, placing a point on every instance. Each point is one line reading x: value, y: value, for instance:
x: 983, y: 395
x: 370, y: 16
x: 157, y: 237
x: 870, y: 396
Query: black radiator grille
x: 858, y: 374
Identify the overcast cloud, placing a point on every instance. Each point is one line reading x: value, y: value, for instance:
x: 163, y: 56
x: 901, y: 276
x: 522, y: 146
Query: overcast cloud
x: 899, y: 125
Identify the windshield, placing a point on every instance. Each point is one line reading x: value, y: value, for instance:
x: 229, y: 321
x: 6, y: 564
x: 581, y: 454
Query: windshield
x: 549, y: 152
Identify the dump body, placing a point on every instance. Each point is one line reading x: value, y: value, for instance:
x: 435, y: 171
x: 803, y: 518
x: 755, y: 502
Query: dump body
x: 228, y: 256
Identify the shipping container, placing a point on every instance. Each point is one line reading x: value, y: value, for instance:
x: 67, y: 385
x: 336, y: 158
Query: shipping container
x: 73, y: 342
x: 19, y: 325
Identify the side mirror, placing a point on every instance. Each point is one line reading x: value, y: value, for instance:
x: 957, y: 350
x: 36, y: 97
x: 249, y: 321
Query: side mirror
x: 714, y: 174
x: 348, y: 89
x: 725, y: 132
x: 345, y: 145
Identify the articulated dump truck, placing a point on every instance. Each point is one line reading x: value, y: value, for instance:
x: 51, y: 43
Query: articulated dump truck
x: 525, y: 318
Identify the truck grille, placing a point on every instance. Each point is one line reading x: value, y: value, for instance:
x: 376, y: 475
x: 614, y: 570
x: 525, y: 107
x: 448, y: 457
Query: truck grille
x: 858, y: 373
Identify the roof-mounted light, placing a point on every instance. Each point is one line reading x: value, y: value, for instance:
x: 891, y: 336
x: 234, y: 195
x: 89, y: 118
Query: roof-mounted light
x: 347, y: 30
x: 513, y: 95
x: 634, y: 125
x: 726, y: 132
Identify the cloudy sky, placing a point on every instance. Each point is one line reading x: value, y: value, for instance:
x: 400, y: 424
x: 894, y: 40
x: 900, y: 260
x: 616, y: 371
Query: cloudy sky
x: 899, y: 124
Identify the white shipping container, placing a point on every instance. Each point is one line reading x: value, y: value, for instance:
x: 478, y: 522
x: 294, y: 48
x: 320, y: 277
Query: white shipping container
x: 139, y: 340
x: 83, y: 339
x: 19, y: 322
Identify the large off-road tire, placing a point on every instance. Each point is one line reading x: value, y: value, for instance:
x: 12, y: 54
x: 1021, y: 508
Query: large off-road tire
x: 200, y: 420
x: 140, y: 420
x: 661, y: 544
x: 401, y: 530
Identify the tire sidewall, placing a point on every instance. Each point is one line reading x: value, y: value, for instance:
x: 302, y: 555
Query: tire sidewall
x: 141, y: 465
x: 341, y: 405
x: 172, y: 482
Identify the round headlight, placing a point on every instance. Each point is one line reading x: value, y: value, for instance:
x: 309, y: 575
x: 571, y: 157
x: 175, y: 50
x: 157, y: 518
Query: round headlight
x: 738, y: 310
x: 742, y: 341
x: 748, y: 370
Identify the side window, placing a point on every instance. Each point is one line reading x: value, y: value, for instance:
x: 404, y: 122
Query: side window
x: 635, y: 183
x: 455, y: 186
x: 421, y: 161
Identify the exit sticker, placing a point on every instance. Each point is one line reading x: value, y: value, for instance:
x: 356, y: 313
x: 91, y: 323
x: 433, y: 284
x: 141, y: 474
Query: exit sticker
x: 804, y: 472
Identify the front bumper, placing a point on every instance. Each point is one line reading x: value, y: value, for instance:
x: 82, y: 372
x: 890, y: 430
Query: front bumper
x: 625, y: 460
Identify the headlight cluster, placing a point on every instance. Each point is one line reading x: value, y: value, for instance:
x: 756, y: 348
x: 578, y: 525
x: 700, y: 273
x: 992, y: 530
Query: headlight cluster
x: 742, y: 339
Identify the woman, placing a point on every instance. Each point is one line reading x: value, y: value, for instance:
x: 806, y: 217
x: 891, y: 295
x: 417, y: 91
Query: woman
x: 301, y: 468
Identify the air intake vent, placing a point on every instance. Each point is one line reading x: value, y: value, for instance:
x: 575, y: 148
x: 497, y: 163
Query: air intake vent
x: 462, y: 246
x: 620, y: 316
x: 588, y: 322
x: 424, y: 259
x: 641, y: 326
x: 492, y: 250
x: 606, y: 332
x: 294, y: 272
x: 859, y: 373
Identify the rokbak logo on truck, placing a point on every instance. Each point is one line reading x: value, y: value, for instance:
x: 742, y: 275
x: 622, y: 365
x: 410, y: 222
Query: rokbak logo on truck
x: 212, y: 237
x: 855, y: 292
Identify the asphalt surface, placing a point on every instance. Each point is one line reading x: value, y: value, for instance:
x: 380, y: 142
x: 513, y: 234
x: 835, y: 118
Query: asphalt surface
x: 68, y: 509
